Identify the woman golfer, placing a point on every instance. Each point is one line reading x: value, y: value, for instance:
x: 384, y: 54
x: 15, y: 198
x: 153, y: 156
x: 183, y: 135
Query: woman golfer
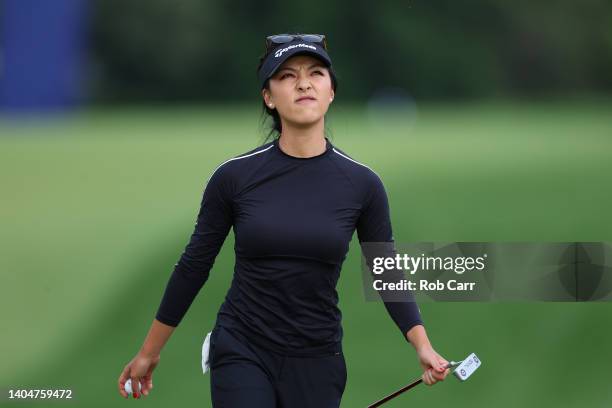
x: 294, y: 204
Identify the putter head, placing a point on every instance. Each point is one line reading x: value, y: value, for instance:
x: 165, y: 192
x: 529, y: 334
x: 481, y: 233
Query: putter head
x: 467, y: 367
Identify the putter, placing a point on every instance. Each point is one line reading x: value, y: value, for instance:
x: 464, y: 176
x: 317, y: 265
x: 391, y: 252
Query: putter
x: 464, y: 370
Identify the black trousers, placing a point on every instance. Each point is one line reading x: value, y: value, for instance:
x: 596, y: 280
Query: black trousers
x: 245, y: 375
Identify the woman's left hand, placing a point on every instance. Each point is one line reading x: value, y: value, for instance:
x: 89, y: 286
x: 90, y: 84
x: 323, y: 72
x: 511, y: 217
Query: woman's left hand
x: 433, y: 365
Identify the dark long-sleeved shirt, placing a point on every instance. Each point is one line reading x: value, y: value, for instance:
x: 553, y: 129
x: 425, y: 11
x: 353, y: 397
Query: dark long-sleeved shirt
x: 293, y: 219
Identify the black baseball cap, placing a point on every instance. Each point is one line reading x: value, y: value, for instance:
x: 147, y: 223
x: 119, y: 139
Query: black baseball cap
x: 287, y: 50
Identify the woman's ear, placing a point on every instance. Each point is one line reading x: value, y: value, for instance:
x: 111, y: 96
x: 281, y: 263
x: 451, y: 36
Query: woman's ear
x: 267, y: 99
x: 264, y: 95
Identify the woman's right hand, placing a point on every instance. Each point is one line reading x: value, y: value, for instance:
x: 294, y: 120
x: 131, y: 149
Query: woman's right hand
x: 140, y: 370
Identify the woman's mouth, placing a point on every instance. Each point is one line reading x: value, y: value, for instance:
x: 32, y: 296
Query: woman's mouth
x: 305, y: 100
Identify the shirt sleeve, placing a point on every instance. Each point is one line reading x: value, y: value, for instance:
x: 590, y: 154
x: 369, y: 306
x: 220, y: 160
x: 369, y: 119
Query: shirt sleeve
x: 374, y: 226
x: 213, y: 223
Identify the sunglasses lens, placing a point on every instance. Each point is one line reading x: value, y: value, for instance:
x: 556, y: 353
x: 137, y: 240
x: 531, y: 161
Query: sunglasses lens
x: 281, y: 38
x: 312, y: 38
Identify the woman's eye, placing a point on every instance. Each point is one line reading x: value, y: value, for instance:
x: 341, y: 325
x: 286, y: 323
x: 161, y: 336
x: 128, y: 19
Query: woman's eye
x: 289, y: 74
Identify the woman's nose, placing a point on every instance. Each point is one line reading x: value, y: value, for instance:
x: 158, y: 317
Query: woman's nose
x: 303, y: 82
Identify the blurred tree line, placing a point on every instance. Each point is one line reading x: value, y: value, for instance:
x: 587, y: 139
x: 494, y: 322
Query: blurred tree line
x: 208, y: 50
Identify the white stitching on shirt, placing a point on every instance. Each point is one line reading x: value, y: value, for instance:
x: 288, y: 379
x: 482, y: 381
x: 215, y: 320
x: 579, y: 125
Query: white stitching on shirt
x: 240, y: 157
x: 354, y: 161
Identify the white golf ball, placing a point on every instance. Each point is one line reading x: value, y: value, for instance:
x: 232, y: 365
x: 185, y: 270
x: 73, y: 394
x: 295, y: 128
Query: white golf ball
x: 128, y: 386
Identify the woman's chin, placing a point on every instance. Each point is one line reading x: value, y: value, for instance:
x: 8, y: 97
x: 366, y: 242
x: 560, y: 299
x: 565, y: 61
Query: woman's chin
x: 306, y: 117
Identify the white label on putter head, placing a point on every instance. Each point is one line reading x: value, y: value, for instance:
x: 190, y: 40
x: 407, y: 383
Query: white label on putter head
x: 467, y: 367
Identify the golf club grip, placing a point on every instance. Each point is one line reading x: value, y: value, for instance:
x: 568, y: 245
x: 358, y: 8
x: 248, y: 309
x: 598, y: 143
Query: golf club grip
x: 396, y: 393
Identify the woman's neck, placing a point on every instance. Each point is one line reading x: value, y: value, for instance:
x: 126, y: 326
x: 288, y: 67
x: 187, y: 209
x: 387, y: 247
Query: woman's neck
x: 303, y: 142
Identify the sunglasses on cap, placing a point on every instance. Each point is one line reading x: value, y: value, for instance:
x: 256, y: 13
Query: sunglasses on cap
x: 274, y: 40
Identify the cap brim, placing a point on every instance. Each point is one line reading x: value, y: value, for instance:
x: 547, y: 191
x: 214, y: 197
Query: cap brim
x: 282, y: 53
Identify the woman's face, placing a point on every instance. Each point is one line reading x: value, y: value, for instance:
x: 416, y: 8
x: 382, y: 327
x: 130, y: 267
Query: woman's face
x: 300, y: 76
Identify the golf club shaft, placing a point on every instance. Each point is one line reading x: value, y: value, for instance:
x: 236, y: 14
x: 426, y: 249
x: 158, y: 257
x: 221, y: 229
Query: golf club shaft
x: 396, y: 393
x: 407, y: 387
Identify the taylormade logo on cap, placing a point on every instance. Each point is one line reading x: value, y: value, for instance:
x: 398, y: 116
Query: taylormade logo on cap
x: 280, y: 52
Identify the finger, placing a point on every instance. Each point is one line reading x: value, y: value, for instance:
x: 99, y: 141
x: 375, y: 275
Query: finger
x: 121, y: 382
x: 425, y: 378
x: 147, y: 384
x: 445, y: 373
x: 437, y: 375
x: 136, y: 386
x: 431, y: 377
x: 441, y: 364
x: 144, y: 385
x: 148, y: 378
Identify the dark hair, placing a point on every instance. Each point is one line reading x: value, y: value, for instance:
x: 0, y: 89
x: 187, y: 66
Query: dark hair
x: 276, y: 128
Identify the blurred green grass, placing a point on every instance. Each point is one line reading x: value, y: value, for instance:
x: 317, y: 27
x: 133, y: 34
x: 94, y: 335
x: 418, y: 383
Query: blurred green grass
x: 97, y: 208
